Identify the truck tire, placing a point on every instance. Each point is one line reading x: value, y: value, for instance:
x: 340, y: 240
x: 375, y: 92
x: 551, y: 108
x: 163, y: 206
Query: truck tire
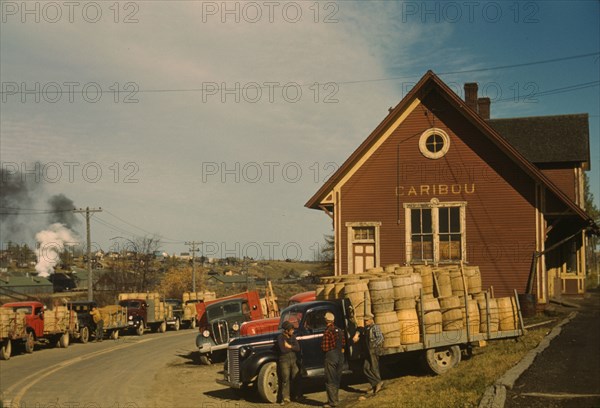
x: 6, y: 350
x: 140, y: 329
x: 63, y: 342
x: 29, y: 343
x: 84, y: 334
x: 442, y: 359
x: 204, y: 360
x: 177, y: 325
x: 267, y: 383
x: 114, y: 334
x: 163, y: 327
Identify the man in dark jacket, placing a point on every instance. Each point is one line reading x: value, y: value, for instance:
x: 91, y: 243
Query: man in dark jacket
x: 333, y: 344
x: 372, y: 339
x: 288, y: 366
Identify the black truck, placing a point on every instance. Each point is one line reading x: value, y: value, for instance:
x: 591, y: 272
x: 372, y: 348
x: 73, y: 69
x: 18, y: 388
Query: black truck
x: 253, y: 359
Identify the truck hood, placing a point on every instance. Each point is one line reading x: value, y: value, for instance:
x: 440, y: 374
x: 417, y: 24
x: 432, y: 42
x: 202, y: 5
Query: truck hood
x: 259, y: 338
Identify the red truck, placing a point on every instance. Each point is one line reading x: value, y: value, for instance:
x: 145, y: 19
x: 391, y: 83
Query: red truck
x: 271, y: 324
x: 45, y: 326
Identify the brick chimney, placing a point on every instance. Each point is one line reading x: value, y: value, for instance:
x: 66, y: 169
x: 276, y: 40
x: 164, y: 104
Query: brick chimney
x: 483, y: 106
x: 471, y: 95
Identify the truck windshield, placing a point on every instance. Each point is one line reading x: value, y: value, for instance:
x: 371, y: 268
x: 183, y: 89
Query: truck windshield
x: 219, y: 311
x: 22, y: 309
x: 292, y: 316
x: 131, y: 304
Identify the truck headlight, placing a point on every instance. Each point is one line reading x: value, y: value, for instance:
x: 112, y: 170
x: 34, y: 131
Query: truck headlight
x: 206, y: 333
x: 245, y: 351
x: 235, y: 327
x: 130, y: 317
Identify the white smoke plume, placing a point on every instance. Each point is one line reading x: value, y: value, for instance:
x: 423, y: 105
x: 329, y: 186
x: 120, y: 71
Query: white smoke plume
x: 51, y: 243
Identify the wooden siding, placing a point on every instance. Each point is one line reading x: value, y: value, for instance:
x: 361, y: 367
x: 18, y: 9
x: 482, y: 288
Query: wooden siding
x: 500, y: 212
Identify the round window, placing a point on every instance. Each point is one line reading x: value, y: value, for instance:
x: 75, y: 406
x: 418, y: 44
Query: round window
x: 434, y: 143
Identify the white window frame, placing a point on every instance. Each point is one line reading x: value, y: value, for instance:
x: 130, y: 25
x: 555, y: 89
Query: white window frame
x: 423, y: 143
x: 350, y: 226
x: 435, y: 205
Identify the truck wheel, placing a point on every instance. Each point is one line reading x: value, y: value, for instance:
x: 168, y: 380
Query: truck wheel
x: 114, y: 334
x: 84, y: 335
x: 29, y: 343
x: 163, y: 327
x: 140, y: 329
x: 441, y: 360
x: 63, y: 342
x: 267, y: 383
x: 193, y: 323
x: 204, y: 360
x: 177, y: 325
x: 6, y: 350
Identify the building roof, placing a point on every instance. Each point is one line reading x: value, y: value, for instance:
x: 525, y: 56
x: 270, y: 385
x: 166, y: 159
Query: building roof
x: 547, y: 139
x: 428, y: 83
x: 22, y: 281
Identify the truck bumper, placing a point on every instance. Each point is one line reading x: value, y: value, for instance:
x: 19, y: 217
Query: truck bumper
x: 206, y: 348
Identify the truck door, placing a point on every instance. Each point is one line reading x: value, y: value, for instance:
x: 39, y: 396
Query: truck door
x: 310, y: 334
x: 37, y: 321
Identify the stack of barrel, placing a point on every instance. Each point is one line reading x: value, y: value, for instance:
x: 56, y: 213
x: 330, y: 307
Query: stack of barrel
x: 451, y: 297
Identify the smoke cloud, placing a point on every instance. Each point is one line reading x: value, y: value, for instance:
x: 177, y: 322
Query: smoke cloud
x: 51, y: 243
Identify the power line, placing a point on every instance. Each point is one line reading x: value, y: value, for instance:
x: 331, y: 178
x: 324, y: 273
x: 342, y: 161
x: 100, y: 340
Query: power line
x: 173, y: 241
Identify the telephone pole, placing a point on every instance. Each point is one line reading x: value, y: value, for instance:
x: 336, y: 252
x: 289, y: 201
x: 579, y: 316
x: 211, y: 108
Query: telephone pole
x: 193, y: 245
x: 87, y: 212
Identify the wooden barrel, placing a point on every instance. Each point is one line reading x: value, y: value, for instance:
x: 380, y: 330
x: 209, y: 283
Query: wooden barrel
x: 417, y: 280
x: 390, y: 268
x: 474, y: 322
x: 473, y: 277
x: 451, y: 313
x: 432, y: 316
x: 327, y: 289
x: 404, y: 304
x: 479, y: 296
x: 442, y: 282
x: 379, y: 306
x: 409, y: 326
x: 388, y: 323
x: 403, y: 270
x: 377, y: 269
x: 326, y: 279
x: 426, y: 278
x: 356, y: 293
x: 507, y: 313
x: 457, y: 283
x: 319, y: 290
x: 483, y: 316
x: 381, y: 288
x: 349, y: 278
x: 338, y: 290
x: 403, y: 287
x: 392, y: 340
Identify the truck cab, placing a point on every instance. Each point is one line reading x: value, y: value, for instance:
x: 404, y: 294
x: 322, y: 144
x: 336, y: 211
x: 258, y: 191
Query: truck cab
x: 221, y: 322
x: 137, y: 314
x: 253, y: 359
x: 34, y: 315
x: 175, y: 321
x: 82, y: 309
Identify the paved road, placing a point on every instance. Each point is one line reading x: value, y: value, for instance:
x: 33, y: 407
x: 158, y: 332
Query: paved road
x: 567, y: 373
x: 151, y: 371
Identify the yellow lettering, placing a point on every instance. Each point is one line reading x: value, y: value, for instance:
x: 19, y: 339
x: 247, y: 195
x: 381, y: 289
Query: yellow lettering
x: 399, y: 191
x: 443, y: 189
x: 424, y: 189
x: 456, y: 188
x: 472, y: 188
x: 412, y: 191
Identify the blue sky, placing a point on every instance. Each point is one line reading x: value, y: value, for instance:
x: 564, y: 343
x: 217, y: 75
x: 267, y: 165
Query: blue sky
x: 185, y: 154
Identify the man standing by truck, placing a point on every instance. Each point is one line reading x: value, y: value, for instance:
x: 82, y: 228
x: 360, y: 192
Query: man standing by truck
x: 99, y: 323
x: 288, y: 366
x: 371, y: 340
x: 333, y: 344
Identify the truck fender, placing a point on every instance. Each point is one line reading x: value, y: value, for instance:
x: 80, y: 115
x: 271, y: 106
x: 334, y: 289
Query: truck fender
x: 200, y: 339
x: 251, y: 367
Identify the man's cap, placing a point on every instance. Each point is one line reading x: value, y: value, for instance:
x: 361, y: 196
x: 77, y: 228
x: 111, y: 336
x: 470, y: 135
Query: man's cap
x: 287, y: 325
x: 329, y: 317
x: 369, y: 316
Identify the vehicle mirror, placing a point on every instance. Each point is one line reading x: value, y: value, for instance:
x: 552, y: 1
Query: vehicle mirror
x: 253, y: 307
x: 45, y: 307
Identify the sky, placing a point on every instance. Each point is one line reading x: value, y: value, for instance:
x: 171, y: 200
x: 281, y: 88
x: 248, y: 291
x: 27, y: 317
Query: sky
x: 215, y: 122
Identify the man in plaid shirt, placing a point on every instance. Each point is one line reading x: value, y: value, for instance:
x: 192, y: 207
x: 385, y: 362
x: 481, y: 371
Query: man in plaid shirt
x: 333, y: 344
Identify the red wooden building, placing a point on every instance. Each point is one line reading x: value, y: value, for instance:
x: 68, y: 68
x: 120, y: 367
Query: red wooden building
x: 438, y: 182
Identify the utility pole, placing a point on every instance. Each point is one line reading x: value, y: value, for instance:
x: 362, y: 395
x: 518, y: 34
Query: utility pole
x: 87, y: 212
x: 193, y: 245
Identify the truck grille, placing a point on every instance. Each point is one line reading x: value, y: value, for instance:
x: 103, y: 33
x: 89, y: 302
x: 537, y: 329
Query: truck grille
x: 233, y: 369
x: 221, y: 331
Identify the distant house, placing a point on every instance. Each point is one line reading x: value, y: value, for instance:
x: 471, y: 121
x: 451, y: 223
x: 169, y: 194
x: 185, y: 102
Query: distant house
x: 27, y: 284
x: 306, y: 274
x: 234, y: 280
